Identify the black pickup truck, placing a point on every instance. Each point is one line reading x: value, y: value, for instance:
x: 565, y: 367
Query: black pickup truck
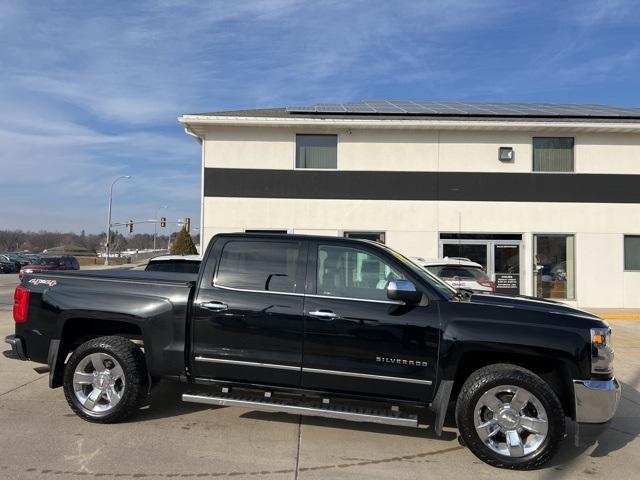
x: 328, y: 327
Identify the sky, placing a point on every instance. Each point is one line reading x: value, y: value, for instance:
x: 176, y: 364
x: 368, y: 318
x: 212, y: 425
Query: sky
x: 91, y: 90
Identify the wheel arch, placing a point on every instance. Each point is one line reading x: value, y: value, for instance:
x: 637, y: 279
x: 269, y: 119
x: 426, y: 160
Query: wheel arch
x: 77, y: 330
x: 552, y: 369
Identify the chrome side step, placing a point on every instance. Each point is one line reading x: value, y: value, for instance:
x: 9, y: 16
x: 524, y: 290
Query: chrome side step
x: 313, y: 409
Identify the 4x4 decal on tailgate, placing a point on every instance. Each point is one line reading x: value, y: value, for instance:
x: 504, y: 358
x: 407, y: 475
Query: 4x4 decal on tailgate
x: 42, y: 281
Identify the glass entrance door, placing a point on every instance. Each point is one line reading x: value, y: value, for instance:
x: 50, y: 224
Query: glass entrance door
x: 476, y: 252
x: 506, y: 265
x: 501, y: 259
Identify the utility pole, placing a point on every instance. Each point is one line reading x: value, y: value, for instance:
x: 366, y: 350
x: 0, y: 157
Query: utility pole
x: 108, y: 245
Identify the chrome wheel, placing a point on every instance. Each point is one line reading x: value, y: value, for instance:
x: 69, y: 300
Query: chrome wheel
x: 511, y: 421
x: 98, y: 383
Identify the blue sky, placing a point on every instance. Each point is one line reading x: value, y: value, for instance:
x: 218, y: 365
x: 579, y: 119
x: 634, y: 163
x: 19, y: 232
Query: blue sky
x: 90, y: 90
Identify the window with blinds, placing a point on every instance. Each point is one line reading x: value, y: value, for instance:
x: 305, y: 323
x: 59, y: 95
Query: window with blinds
x: 316, y: 151
x: 632, y: 252
x: 553, y: 154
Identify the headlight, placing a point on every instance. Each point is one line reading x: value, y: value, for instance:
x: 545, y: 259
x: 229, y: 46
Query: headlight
x: 601, y: 351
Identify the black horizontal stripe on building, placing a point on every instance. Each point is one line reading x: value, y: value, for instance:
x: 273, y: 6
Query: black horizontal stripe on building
x: 444, y: 186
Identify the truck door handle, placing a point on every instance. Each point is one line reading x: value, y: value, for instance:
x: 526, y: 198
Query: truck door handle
x: 215, y: 306
x: 323, y: 314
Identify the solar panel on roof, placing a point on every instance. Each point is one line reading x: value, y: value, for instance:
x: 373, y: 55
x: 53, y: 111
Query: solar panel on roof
x: 384, y: 106
x: 330, y: 108
x: 301, y: 108
x: 498, y: 109
x: 359, y: 108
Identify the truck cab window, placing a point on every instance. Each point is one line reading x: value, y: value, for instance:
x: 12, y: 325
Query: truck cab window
x: 261, y: 266
x: 352, y: 273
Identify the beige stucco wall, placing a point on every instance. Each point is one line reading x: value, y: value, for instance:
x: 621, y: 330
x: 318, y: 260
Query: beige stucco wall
x: 413, y: 227
x: 417, y: 150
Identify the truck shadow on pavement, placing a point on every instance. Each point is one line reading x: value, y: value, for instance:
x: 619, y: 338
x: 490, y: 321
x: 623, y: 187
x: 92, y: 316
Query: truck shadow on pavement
x: 423, y: 432
x: 165, y: 401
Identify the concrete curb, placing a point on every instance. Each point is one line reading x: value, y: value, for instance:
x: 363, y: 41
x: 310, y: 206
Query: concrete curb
x: 620, y: 316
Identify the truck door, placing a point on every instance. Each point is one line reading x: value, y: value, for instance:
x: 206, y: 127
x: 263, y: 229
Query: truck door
x: 248, y: 314
x: 357, y: 341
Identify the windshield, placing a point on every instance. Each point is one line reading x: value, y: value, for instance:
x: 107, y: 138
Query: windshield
x: 442, y: 287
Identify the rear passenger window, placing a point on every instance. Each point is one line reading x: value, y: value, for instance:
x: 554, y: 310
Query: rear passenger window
x: 262, y: 266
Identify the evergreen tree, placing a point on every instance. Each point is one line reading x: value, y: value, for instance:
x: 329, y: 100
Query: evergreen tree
x: 183, y: 244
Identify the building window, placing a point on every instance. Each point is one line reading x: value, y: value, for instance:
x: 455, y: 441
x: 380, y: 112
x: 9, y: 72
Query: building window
x: 261, y: 266
x: 632, y: 252
x: 374, y: 236
x: 553, y: 154
x: 554, y: 262
x: 316, y: 151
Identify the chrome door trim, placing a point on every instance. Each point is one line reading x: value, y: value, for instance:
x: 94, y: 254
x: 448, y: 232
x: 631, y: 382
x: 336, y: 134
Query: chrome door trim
x: 391, y: 302
x: 366, y: 375
x: 294, y: 294
x: 311, y: 370
x: 233, y: 289
x: 247, y: 364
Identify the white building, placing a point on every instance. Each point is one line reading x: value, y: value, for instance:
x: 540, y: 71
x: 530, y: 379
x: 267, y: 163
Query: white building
x: 546, y: 197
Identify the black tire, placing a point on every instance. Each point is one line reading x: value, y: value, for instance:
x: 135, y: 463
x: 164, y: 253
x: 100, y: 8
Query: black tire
x: 492, y: 376
x: 134, y: 379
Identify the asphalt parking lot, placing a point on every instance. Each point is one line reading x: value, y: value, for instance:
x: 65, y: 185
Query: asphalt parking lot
x: 41, y: 438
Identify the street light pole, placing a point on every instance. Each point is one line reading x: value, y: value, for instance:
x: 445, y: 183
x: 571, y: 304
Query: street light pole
x: 155, y: 226
x: 108, y: 245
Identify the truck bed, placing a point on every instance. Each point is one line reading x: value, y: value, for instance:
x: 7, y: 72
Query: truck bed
x: 151, y: 306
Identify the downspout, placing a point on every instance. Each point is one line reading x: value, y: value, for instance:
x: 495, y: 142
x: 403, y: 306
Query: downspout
x: 202, y: 142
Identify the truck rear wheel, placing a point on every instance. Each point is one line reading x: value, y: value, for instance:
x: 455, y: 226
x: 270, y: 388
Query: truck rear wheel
x: 105, y: 379
x: 509, y: 417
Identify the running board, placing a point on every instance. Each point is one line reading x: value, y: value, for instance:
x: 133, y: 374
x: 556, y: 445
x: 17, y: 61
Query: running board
x: 313, y: 409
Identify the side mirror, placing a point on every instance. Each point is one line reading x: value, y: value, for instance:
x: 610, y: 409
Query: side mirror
x: 404, y: 291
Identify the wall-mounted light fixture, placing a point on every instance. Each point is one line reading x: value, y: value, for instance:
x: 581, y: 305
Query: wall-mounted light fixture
x: 506, y: 154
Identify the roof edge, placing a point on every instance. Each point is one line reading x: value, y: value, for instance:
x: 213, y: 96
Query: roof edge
x: 199, y: 123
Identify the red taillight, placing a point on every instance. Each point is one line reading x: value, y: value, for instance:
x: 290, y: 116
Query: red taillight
x: 21, y: 304
x: 488, y: 283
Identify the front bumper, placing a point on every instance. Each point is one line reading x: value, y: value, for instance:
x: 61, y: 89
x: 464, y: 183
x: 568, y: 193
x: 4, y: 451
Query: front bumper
x: 596, y: 401
x: 17, y: 348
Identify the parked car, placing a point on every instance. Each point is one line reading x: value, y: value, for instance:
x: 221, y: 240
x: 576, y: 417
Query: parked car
x: 7, y: 267
x: 20, y: 258
x: 323, y: 326
x: 44, y: 264
x: 175, y: 263
x: 459, y: 273
x: 8, y: 260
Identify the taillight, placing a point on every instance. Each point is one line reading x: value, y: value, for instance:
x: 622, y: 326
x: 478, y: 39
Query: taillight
x: 21, y: 304
x: 488, y: 283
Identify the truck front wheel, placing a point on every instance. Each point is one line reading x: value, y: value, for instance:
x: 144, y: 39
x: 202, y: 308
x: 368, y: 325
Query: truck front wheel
x: 105, y: 379
x: 509, y: 417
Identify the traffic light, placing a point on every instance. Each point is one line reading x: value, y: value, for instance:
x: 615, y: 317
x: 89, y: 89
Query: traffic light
x: 163, y: 221
x: 130, y: 225
x: 187, y: 224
